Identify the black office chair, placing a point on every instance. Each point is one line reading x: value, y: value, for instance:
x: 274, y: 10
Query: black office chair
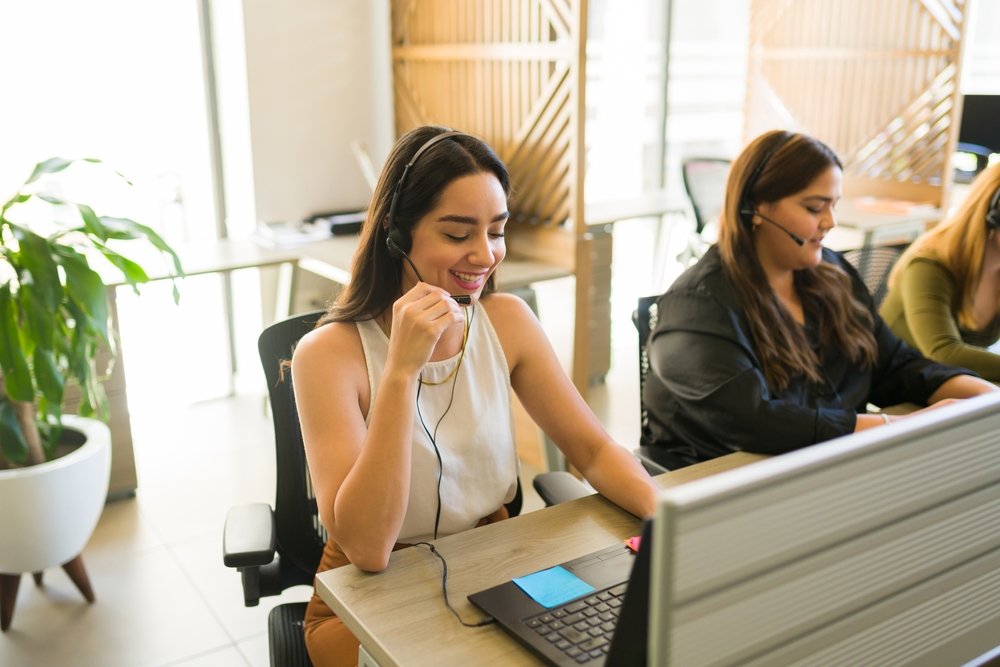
x: 874, y: 264
x: 644, y: 318
x: 705, y: 183
x: 279, y: 548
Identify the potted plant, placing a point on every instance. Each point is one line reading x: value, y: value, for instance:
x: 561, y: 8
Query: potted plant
x: 54, y: 468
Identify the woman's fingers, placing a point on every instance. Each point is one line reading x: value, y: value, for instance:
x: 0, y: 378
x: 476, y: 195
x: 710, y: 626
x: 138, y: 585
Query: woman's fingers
x: 419, y: 318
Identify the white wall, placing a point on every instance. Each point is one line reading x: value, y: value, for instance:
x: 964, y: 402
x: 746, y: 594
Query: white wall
x: 318, y: 78
x: 981, y: 65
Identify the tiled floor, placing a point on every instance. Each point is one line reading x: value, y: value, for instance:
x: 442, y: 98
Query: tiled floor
x: 155, y: 562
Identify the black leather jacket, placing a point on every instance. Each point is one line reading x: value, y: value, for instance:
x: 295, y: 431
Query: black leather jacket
x: 706, y: 395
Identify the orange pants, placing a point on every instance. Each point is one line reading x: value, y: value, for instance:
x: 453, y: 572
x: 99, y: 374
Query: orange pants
x: 329, y: 642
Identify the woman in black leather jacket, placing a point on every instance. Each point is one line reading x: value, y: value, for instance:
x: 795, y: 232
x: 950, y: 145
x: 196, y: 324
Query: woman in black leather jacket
x: 771, y: 342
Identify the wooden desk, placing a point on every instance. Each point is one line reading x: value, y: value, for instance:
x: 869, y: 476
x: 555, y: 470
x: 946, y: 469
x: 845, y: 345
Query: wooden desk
x: 399, y: 614
x: 902, y: 228
x: 330, y: 259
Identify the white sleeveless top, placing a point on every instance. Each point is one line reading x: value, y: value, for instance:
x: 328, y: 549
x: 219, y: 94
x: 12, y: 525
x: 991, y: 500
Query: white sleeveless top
x: 476, y: 437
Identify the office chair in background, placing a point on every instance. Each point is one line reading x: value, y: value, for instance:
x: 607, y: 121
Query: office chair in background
x: 705, y: 184
x: 275, y: 549
x: 874, y: 263
x: 644, y: 318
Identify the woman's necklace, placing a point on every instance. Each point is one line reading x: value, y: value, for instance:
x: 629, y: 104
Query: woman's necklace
x: 465, y: 339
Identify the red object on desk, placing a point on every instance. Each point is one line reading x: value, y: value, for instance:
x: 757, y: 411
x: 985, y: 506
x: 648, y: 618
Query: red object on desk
x: 633, y: 543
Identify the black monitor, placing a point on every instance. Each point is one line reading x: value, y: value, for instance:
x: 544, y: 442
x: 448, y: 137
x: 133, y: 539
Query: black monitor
x: 981, y: 121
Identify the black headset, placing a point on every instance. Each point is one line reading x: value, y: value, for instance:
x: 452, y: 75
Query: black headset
x: 394, y: 240
x: 398, y: 245
x: 746, y: 209
x: 993, y: 215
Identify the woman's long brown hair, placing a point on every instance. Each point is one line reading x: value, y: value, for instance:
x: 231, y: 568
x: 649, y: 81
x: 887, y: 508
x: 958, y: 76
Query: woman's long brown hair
x: 376, y: 277
x: 780, y: 343
x: 960, y: 244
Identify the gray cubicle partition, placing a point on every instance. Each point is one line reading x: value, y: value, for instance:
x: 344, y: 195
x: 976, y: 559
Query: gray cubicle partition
x: 880, y: 548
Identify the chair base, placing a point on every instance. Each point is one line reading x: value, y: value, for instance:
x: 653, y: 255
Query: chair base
x: 285, y: 636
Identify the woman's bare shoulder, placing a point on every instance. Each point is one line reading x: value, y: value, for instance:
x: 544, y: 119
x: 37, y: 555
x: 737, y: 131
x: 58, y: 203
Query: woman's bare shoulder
x: 337, y: 343
x: 500, y: 306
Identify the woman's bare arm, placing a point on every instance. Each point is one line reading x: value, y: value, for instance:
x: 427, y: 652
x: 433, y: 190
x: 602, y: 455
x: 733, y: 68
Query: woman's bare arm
x: 361, y: 474
x: 557, y: 407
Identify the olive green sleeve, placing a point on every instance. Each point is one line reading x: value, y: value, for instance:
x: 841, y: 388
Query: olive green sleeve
x: 927, y: 291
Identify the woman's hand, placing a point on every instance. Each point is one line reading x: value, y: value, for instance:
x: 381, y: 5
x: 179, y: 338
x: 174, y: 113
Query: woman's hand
x: 419, y: 318
x: 871, y: 421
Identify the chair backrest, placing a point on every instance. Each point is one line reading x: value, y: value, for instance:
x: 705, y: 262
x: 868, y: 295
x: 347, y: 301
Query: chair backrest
x: 874, y: 264
x: 644, y: 319
x: 705, y: 183
x: 301, y: 536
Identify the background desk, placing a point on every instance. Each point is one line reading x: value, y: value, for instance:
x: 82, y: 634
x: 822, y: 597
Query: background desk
x: 399, y: 614
x: 330, y: 259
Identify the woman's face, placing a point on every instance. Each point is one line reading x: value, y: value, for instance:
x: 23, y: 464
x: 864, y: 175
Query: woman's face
x: 808, y: 214
x: 460, y: 242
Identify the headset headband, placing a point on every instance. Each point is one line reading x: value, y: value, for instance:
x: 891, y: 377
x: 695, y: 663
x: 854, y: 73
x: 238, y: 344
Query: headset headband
x: 745, y: 205
x: 393, y: 233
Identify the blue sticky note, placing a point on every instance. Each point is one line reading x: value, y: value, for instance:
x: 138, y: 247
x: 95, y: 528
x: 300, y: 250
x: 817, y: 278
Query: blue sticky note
x: 554, y: 586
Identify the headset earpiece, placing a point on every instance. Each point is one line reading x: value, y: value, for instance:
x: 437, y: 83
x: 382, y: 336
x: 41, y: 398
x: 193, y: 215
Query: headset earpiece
x: 993, y: 215
x: 393, y: 239
x: 746, y: 210
x: 396, y: 244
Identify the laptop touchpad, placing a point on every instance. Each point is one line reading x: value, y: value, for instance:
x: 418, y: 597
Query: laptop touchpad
x: 607, y: 569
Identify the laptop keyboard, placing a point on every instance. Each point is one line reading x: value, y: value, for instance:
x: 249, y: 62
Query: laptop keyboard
x: 582, y: 629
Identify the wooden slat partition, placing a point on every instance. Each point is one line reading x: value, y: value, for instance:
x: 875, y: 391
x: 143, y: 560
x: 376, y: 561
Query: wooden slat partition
x: 511, y: 72
x: 875, y: 79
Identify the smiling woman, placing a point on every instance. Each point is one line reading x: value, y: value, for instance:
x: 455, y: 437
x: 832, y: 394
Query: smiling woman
x: 771, y: 342
x: 405, y: 396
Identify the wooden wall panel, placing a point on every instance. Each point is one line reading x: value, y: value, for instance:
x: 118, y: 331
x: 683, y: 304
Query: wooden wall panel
x: 506, y: 71
x: 875, y: 79
x: 513, y: 73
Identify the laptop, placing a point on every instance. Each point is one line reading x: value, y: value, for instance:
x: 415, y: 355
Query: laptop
x: 606, y: 626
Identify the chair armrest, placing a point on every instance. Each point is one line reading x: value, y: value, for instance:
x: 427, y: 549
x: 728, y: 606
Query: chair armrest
x: 249, y: 537
x: 558, y: 487
x: 647, y: 457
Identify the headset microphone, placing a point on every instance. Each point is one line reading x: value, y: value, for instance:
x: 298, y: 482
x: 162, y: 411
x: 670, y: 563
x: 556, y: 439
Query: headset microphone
x: 798, y: 239
x: 463, y: 299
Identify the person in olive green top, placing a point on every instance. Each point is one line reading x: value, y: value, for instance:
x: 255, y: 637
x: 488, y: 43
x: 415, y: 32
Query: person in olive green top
x: 944, y: 292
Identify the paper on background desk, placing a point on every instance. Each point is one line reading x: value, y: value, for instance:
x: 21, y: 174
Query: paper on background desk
x: 554, y: 586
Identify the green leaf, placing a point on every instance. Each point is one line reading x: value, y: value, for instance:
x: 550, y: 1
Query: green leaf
x: 50, y: 381
x: 92, y: 222
x: 50, y: 166
x: 40, y: 319
x: 12, y: 442
x: 134, y: 274
x: 50, y: 199
x: 96, y: 161
x: 76, y: 354
x: 124, y: 225
x: 86, y: 288
x: 50, y: 428
x: 36, y: 254
x: 15, y: 366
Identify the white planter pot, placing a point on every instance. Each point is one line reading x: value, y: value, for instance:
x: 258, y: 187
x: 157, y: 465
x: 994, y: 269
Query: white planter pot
x: 48, y: 511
